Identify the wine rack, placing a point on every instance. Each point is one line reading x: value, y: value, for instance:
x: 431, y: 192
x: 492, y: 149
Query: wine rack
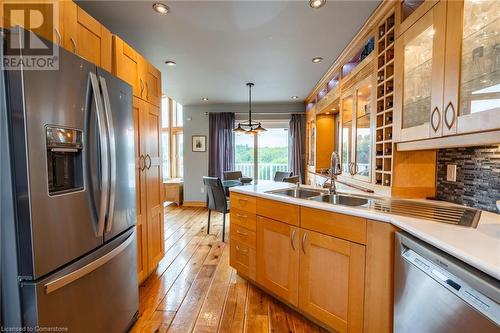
x: 385, y: 100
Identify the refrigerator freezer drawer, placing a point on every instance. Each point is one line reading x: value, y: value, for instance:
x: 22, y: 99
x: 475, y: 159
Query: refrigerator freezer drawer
x: 98, y: 293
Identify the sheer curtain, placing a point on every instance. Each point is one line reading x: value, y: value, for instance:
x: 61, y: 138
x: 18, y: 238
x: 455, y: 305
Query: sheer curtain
x: 221, y: 143
x: 296, y: 156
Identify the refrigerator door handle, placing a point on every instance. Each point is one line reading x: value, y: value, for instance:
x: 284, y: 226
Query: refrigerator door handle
x: 103, y: 140
x: 64, y: 280
x: 112, y: 152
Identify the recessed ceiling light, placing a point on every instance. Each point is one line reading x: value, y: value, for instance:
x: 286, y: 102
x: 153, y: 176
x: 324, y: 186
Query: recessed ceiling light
x: 317, y: 60
x: 317, y: 3
x: 161, y: 8
x: 204, y: 98
x: 170, y: 63
x: 295, y: 97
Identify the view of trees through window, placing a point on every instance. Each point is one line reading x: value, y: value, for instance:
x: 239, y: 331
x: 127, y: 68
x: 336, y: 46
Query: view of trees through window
x: 272, y: 153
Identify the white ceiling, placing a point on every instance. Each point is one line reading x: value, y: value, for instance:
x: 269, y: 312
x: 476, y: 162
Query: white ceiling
x: 221, y: 45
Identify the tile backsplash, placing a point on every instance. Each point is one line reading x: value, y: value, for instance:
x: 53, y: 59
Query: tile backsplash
x: 478, y: 176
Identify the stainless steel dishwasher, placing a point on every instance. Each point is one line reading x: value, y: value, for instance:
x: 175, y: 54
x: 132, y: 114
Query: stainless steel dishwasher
x: 434, y: 292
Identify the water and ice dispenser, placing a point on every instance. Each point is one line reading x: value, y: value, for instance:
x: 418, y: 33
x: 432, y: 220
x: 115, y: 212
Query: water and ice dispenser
x: 64, y: 160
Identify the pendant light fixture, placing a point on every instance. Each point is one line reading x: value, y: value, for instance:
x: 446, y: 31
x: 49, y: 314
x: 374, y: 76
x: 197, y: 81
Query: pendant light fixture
x: 249, y: 127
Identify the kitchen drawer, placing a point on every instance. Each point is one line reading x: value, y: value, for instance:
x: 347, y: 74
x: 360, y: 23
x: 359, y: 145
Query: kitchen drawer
x: 242, y: 258
x: 243, y: 202
x: 343, y: 226
x: 278, y: 211
x: 242, y: 235
x: 245, y: 219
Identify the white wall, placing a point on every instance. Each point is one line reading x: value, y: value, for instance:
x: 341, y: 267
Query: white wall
x: 196, y: 123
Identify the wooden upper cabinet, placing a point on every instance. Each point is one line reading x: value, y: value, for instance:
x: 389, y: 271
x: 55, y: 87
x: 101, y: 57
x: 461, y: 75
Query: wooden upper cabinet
x: 472, y: 67
x: 410, y: 11
x: 152, y: 82
x: 278, y: 258
x: 331, y: 280
x: 85, y: 36
x: 419, y: 77
x: 126, y: 64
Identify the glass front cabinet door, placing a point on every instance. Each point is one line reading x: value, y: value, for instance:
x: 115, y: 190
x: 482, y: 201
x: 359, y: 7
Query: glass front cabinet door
x: 419, y: 67
x: 363, y: 130
x: 347, y: 106
x: 472, y: 67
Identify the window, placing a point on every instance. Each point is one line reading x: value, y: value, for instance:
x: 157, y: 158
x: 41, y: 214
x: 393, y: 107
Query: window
x: 263, y: 154
x: 172, y: 139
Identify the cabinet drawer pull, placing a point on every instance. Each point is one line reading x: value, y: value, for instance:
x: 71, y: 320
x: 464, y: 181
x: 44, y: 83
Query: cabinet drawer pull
x: 435, y: 126
x: 449, y: 123
x: 304, y: 243
x: 241, y: 216
x: 239, y: 249
x: 292, y: 239
x: 241, y: 233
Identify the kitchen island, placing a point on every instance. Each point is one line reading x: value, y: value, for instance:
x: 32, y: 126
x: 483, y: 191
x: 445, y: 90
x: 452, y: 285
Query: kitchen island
x: 335, y: 263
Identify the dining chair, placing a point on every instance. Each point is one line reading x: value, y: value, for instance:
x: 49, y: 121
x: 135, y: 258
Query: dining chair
x: 216, y: 200
x: 232, y: 175
x: 280, y: 175
x: 293, y: 179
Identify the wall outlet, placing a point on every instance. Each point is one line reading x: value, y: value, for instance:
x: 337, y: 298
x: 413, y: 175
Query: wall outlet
x: 451, y: 172
x: 202, y: 190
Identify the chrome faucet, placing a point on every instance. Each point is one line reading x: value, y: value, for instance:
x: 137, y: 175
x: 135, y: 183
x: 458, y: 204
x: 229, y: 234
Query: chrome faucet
x: 334, y: 171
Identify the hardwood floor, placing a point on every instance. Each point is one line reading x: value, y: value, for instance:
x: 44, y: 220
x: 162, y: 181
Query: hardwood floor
x: 195, y: 290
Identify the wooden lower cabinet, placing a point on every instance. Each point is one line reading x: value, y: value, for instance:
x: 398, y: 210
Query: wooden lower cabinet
x: 278, y: 258
x: 331, y: 280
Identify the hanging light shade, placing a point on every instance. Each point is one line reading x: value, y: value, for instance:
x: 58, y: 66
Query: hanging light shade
x: 239, y: 129
x: 249, y: 127
x: 259, y: 129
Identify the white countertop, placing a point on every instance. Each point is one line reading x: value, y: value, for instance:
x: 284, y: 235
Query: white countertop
x: 478, y: 247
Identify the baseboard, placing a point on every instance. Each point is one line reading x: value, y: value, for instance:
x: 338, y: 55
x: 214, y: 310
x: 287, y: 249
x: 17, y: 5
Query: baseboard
x: 194, y: 204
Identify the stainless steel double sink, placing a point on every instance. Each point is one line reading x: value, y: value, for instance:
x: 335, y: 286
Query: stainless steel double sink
x: 320, y: 196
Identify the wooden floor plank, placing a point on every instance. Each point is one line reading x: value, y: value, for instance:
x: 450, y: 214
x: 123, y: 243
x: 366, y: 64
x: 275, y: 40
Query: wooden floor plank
x: 211, y: 311
x: 257, y: 311
x: 191, y: 305
x: 233, y: 317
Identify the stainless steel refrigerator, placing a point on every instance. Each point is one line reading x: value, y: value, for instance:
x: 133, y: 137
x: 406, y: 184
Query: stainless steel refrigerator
x: 68, y: 180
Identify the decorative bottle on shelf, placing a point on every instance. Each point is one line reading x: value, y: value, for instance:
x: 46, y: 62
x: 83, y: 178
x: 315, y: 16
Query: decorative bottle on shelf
x: 389, y: 54
x: 390, y: 38
x: 389, y: 104
x: 389, y: 87
x: 388, y: 151
x: 388, y: 118
x: 387, y: 181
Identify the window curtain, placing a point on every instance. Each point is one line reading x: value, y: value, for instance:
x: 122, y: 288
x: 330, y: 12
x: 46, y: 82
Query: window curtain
x: 221, y: 143
x: 296, y: 156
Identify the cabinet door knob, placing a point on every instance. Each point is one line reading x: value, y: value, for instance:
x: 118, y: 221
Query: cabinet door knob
x: 304, y: 243
x: 59, y: 38
x: 449, y: 123
x: 142, y: 163
x: 142, y: 86
x: 292, y: 239
x: 75, y: 49
x: 435, y: 112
